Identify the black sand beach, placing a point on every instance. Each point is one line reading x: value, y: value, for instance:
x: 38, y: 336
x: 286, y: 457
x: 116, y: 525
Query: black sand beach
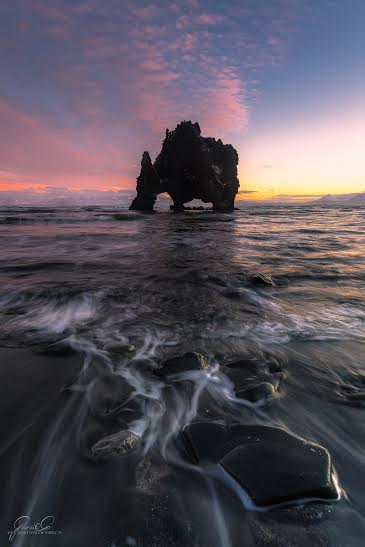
x: 190, y: 379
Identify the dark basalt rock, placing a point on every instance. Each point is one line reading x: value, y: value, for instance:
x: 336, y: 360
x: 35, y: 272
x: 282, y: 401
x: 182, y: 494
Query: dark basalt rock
x: 189, y: 167
x: 144, y: 367
x: 209, y: 442
x: 271, y: 465
x: 183, y: 363
x: 148, y: 186
x: 246, y: 373
x: 259, y: 393
x: 261, y: 280
x: 121, y: 443
x: 119, y: 348
x: 273, y: 472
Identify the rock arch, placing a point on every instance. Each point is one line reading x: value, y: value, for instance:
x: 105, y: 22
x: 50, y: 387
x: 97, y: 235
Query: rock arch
x: 189, y: 167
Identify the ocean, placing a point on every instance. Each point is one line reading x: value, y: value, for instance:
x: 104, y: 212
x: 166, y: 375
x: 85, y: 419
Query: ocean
x: 89, y: 293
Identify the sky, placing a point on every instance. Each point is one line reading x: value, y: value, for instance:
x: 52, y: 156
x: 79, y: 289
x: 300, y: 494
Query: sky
x: 87, y: 85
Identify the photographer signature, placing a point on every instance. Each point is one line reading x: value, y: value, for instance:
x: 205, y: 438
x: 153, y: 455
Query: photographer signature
x: 22, y: 525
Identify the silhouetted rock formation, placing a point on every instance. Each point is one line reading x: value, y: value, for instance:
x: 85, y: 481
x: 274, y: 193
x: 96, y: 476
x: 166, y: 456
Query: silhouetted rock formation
x: 148, y: 186
x: 189, y: 167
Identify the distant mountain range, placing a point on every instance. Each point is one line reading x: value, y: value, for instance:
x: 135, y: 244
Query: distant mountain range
x: 339, y: 199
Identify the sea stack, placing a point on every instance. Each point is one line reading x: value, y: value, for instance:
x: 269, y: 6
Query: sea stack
x: 189, y: 167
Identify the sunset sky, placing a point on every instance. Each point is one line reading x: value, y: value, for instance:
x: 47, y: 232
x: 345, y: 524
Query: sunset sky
x: 87, y: 85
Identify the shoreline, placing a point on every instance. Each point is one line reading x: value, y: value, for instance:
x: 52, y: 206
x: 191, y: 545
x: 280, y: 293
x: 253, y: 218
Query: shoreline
x: 87, y: 487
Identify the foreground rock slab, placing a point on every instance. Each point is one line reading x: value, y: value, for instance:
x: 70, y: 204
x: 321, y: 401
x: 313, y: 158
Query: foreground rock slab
x: 271, y: 465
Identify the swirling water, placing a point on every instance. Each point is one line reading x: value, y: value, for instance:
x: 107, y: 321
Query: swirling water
x: 124, y: 286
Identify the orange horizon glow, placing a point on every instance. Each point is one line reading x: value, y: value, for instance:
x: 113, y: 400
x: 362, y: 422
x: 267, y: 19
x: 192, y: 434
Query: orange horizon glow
x: 309, y: 158
x: 243, y: 195
x: 6, y: 186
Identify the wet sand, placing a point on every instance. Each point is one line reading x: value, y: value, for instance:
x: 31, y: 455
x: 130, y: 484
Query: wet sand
x: 44, y: 471
x: 119, y: 293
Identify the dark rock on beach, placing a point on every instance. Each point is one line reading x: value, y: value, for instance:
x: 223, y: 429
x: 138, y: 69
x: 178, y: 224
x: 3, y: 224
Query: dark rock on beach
x: 183, y: 363
x: 261, y: 280
x: 189, y: 167
x: 270, y: 464
x: 259, y: 393
x: 208, y: 442
x: 119, y: 444
x: 275, y: 471
x: 144, y: 367
x: 247, y: 373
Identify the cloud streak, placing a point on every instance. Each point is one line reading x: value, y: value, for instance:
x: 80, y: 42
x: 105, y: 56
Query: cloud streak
x: 92, y: 83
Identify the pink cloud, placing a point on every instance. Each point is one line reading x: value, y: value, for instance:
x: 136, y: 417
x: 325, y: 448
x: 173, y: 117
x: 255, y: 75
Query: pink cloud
x: 189, y: 41
x: 146, y: 12
x: 34, y: 150
x: 100, y: 47
x: 49, y: 11
x: 225, y: 109
x: 163, y: 76
x: 121, y: 78
x: 31, y: 143
x: 153, y: 65
x: 198, y: 19
x: 155, y: 108
x: 208, y: 19
x: 183, y: 21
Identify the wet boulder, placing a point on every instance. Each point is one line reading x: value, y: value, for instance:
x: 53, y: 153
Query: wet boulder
x: 206, y: 442
x: 122, y: 443
x: 261, y: 280
x: 259, y: 393
x: 248, y: 372
x: 281, y: 469
x: 245, y: 370
x: 184, y: 363
x: 144, y: 367
x: 271, y: 465
x: 120, y: 347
